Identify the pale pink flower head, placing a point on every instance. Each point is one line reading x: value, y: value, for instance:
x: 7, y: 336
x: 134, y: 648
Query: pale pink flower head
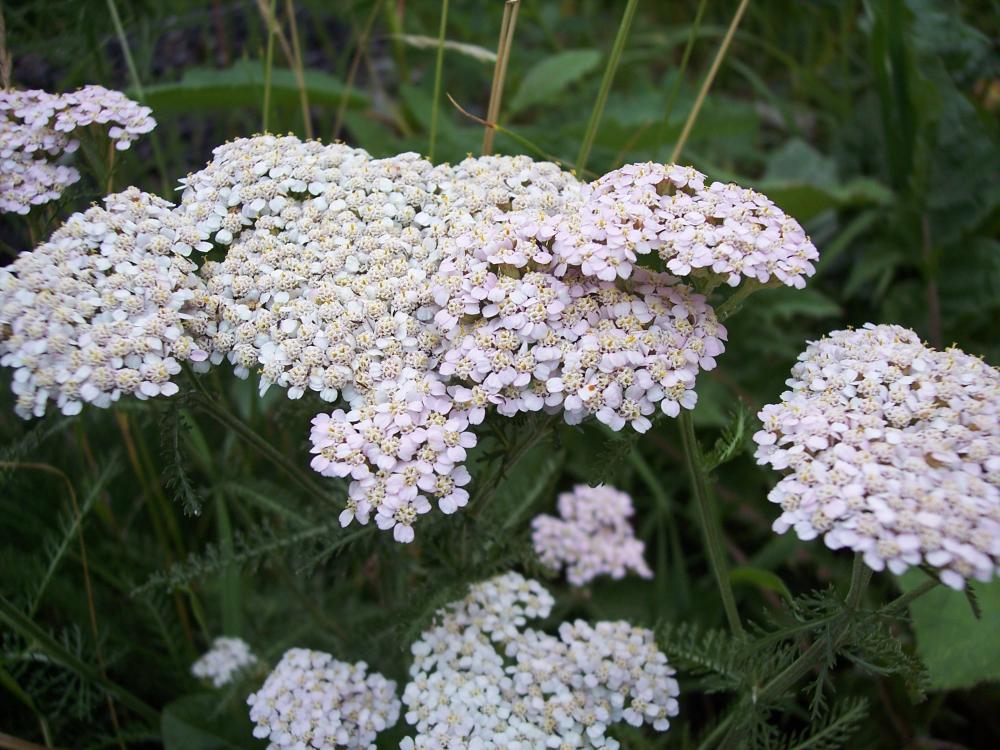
x: 592, y: 536
x: 890, y: 448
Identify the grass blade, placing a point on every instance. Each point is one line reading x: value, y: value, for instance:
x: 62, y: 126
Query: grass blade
x: 602, y: 94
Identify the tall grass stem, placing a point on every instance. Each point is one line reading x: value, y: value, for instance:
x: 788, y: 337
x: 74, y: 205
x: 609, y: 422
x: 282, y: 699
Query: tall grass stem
x: 602, y: 94
x: 706, y: 85
x: 661, y: 134
x: 438, y: 70
x: 133, y: 71
x: 507, y: 25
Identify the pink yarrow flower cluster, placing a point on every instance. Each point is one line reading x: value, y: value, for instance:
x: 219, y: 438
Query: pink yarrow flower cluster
x: 528, y: 335
x: 591, y: 537
x: 892, y: 449
x: 37, y: 127
x: 721, y: 230
x: 410, y: 444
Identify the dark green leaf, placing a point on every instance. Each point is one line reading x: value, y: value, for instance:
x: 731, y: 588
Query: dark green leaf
x: 242, y: 85
x: 552, y: 75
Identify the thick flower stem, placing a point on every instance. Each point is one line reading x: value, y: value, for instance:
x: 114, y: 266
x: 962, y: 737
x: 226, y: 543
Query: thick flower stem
x: 709, y: 520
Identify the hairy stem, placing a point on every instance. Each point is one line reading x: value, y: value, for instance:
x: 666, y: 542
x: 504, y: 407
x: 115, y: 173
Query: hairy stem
x: 709, y: 520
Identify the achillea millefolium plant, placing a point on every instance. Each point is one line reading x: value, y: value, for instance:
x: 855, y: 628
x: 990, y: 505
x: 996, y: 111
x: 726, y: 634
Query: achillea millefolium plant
x: 320, y: 402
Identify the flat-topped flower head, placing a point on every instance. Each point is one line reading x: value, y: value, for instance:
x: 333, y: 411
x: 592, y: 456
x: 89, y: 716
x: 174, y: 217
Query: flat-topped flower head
x: 592, y: 536
x: 107, y: 307
x: 36, y: 127
x: 482, y: 678
x: 715, y: 230
x: 892, y: 449
x: 313, y: 701
x: 224, y: 661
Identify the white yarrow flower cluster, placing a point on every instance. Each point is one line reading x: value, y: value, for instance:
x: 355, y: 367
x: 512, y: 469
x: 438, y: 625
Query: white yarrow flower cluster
x: 892, y: 450
x: 415, y: 297
x: 36, y: 127
x: 221, y: 663
x: 105, y: 308
x: 591, y: 537
x: 311, y: 701
x: 482, y: 680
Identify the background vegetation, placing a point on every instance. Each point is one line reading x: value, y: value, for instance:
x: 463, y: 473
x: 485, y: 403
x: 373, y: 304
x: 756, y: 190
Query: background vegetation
x: 131, y: 538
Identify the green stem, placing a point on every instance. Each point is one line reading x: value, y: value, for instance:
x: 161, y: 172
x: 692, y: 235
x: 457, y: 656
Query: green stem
x: 511, y: 458
x: 507, y: 25
x: 606, y: 81
x: 709, y: 79
x: 709, y: 520
x: 298, y: 69
x: 140, y: 92
x: 227, y: 419
x: 438, y: 68
x: 668, y: 110
x: 860, y: 575
x: 268, y: 65
x: 735, y: 301
x: 904, y: 600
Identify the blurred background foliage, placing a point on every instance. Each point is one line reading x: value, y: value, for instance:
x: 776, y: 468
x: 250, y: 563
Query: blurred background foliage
x: 873, y: 122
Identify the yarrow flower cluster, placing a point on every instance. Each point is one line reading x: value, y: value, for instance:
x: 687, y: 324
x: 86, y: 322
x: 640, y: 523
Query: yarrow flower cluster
x: 221, y: 663
x: 106, y: 307
x: 725, y: 230
x: 892, y: 450
x: 592, y: 536
x: 481, y: 679
x: 415, y: 297
x: 311, y: 701
x: 36, y: 127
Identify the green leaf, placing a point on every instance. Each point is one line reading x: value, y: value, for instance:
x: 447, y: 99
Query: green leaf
x: 242, y: 85
x: 728, y: 445
x: 805, y: 183
x: 198, y: 722
x: 761, y: 578
x: 958, y: 650
x: 549, y: 77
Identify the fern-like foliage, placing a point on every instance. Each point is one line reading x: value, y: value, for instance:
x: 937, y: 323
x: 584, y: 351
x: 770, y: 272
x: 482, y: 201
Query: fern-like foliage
x: 28, y: 444
x: 732, y: 440
x: 174, y: 473
x: 831, y: 731
x: 250, y: 548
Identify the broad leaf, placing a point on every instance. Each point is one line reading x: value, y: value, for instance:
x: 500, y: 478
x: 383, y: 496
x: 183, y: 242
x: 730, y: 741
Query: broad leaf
x: 958, y: 650
x: 548, y: 78
x: 242, y: 85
